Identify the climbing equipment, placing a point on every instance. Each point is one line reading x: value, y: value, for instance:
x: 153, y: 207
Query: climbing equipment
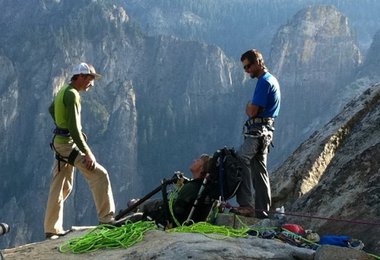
x: 177, y: 177
x: 60, y: 158
x: 108, y: 236
x: 207, y: 229
x: 294, y: 228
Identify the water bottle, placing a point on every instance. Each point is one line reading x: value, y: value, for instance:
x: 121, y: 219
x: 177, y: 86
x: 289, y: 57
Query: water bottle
x: 280, y: 215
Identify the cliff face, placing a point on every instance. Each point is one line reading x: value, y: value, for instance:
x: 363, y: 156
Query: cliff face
x: 253, y: 23
x: 187, y: 104
x: 162, y: 101
x: 315, y: 53
x: 335, y: 174
x: 156, y: 97
x: 36, y: 54
x: 371, y: 63
x: 315, y: 56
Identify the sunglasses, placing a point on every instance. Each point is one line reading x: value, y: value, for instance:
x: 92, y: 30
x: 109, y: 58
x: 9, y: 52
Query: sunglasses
x: 247, y: 66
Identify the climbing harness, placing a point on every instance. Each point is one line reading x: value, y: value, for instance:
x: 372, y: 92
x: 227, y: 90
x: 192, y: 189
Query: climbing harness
x: 261, y: 128
x: 60, y: 158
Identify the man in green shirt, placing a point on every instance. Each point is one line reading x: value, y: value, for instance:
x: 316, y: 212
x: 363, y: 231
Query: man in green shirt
x: 72, y: 151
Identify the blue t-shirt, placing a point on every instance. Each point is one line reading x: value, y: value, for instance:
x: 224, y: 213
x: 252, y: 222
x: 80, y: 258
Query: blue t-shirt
x: 267, y: 95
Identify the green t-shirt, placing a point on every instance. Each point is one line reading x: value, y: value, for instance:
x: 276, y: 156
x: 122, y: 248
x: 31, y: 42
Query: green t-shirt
x: 66, y: 113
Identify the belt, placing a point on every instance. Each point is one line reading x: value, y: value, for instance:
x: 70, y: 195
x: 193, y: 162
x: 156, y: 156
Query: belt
x: 260, y: 120
x: 61, y: 132
x: 264, y: 120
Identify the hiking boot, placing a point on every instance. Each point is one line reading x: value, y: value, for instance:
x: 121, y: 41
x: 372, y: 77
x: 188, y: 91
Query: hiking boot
x: 53, y: 236
x: 243, y: 211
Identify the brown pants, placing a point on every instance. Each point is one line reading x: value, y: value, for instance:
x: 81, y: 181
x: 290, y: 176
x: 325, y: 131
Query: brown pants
x: 62, y: 184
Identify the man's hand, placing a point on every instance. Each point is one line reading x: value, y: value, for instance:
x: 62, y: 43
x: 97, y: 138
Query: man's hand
x: 251, y: 110
x: 90, y: 161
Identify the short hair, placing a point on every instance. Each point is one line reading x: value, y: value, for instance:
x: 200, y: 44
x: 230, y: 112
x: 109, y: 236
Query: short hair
x: 254, y: 55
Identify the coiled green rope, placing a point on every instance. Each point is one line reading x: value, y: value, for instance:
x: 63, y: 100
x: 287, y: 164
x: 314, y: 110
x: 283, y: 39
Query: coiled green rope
x: 207, y: 229
x: 108, y: 236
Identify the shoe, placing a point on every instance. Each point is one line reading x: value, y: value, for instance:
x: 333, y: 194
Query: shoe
x: 134, y: 217
x: 53, y: 236
x: 243, y: 211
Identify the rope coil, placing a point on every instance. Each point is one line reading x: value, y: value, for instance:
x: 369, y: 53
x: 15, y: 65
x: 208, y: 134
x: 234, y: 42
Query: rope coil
x: 207, y: 228
x: 108, y: 236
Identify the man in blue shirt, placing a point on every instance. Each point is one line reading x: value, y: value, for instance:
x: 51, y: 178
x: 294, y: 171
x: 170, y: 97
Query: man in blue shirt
x: 258, y: 133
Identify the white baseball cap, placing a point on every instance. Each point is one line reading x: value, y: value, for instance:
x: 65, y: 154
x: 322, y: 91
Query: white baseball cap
x: 86, y: 69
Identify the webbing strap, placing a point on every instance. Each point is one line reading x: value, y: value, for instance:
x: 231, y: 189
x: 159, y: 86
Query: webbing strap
x: 199, y: 195
x: 72, y: 156
x: 165, y: 203
x: 221, y: 175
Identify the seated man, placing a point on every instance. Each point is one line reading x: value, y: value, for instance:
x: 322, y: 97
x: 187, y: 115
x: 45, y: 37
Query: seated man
x: 187, y: 195
x: 189, y: 192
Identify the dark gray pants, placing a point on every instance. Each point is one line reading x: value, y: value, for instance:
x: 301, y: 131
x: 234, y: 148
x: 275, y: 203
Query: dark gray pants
x: 253, y: 153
